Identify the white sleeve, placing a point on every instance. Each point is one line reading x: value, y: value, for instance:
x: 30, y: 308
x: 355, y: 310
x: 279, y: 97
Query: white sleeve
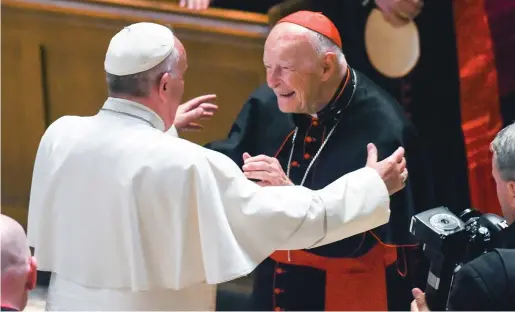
x: 355, y: 203
x: 247, y: 222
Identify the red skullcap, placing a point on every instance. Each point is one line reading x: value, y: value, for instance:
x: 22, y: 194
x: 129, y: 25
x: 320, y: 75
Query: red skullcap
x: 316, y: 22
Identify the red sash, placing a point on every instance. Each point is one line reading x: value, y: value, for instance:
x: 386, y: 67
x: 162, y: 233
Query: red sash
x: 351, y: 283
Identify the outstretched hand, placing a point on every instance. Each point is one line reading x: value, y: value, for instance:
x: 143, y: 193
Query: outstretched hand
x: 392, y: 169
x: 189, y: 113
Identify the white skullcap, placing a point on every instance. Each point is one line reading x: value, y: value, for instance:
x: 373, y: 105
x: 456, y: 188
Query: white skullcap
x: 137, y: 48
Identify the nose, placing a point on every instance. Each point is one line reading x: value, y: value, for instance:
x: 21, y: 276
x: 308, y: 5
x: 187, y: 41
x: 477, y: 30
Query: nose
x: 272, y: 78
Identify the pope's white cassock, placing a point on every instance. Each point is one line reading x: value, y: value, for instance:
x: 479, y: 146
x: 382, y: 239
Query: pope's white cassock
x: 129, y: 216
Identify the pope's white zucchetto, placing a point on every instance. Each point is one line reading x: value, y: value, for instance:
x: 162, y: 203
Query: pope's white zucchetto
x: 138, y: 48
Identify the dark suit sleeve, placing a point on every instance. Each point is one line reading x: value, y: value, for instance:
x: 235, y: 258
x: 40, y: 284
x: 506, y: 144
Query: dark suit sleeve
x: 476, y: 284
x: 239, y: 139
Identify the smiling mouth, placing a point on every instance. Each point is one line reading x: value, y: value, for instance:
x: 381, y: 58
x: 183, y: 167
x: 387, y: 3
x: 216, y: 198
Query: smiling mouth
x: 287, y: 95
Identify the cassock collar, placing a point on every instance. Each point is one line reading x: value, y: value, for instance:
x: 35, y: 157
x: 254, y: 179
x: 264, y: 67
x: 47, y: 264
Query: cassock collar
x: 340, y: 101
x: 135, y: 110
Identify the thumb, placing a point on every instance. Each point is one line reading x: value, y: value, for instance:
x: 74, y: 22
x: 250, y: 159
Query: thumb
x: 246, y: 156
x: 417, y: 293
x: 372, y: 154
x: 420, y: 299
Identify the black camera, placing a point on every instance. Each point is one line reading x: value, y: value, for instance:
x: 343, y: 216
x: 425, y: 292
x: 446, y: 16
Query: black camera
x: 449, y: 241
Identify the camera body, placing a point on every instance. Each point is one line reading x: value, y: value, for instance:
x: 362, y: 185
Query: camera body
x: 450, y: 241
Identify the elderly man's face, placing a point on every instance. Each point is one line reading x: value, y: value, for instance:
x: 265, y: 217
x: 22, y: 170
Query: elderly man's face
x: 505, y: 194
x: 293, y: 69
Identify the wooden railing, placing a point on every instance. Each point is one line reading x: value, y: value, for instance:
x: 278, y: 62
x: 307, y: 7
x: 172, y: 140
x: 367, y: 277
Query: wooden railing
x: 52, y: 65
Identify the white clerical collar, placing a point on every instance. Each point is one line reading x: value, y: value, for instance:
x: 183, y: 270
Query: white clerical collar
x: 135, y: 109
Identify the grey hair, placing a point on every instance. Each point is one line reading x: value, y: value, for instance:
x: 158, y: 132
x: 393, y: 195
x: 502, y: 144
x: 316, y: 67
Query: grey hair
x: 503, y: 148
x: 322, y: 45
x: 140, y: 84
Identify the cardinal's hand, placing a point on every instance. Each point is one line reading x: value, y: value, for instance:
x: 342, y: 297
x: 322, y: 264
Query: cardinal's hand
x: 265, y: 169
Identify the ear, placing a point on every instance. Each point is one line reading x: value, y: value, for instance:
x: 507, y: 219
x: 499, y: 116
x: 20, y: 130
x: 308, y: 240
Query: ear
x: 329, y: 65
x: 32, y: 274
x: 164, y: 83
x: 511, y: 189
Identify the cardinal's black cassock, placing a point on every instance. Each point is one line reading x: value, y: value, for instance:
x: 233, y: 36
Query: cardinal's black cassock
x: 371, y: 270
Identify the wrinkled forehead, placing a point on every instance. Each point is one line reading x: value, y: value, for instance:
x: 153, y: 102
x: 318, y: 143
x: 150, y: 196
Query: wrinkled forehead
x: 288, y: 41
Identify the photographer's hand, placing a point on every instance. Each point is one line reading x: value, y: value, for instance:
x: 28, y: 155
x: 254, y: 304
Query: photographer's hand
x: 419, y: 304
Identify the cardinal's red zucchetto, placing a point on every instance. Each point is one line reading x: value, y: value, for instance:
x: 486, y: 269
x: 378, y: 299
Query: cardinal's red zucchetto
x: 316, y: 22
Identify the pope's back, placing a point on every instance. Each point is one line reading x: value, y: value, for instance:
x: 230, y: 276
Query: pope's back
x: 104, y: 182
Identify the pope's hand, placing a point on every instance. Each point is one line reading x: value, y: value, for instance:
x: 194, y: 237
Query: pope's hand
x: 265, y: 169
x: 400, y: 12
x: 194, y: 110
x: 392, y: 169
x: 419, y: 304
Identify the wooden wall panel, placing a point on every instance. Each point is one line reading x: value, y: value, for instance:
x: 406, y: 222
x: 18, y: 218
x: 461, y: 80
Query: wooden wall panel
x: 52, y: 65
x: 22, y: 120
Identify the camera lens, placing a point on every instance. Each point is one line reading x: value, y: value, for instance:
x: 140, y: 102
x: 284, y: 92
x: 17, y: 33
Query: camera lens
x: 444, y: 222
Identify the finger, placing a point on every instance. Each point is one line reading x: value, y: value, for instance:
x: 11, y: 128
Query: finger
x: 394, y: 19
x: 193, y: 114
x: 206, y: 115
x: 193, y: 127
x: 406, y: 9
x: 245, y: 156
x: 382, y: 5
x: 420, y: 299
x: 257, y: 158
x: 257, y: 166
x: 263, y: 176
x: 182, y: 3
x: 397, y: 156
x: 209, y: 107
x: 195, y: 102
x: 402, y: 165
x: 416, y: 292
x: 372, y: 154
x: 205, y: 4
x: 404, y: 175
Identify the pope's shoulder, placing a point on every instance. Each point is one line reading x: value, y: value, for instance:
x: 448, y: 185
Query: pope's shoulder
x: 149, y: 145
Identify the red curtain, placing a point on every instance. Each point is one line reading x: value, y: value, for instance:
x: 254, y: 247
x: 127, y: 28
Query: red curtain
x: 479, y: 99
